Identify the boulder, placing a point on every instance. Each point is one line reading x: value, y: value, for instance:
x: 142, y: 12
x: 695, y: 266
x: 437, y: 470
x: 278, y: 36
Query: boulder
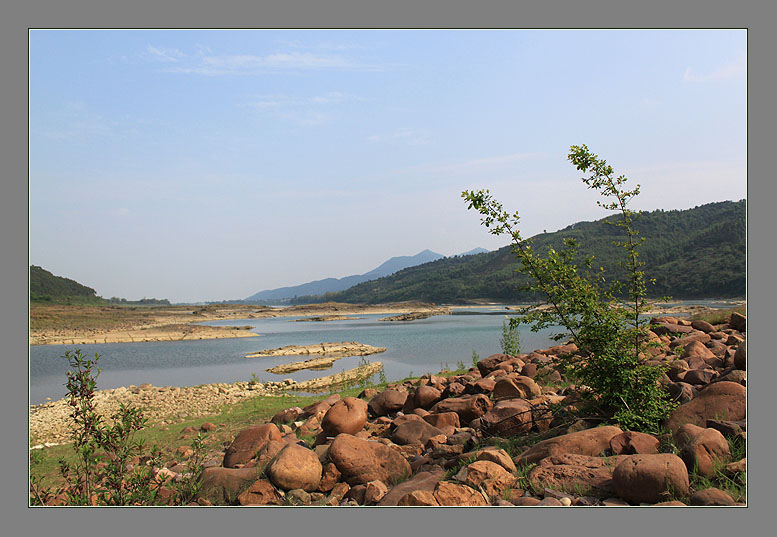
x: 518, y: 387
x: 650, y: 478
x: 374, y: 492
x: 413, y: 432
x: 489, y: 476
x: 443, y: 419
x: 508, y: 417
x: 703, y: 450
x: 456, y: 494
x: 484, y: 385
x: 223, y: 486
x: 361, y: 461
x: 422, y: 481
x: 486, y: 365
x: 418, y: 498
x: 453, y: 389
x: 330, y: 475
x: 287, y: 416
x: 295, y: 467
x: 692, y: 336
x: 348, y: 416
x: 580, y: 474
x: 697, y: 377
x: 498, y: 456
x: 587, y: 442
x: 633, y: 442
x: 387, y: 402
x: 738, y: 322
x: 681, y: 392
x: 426, y: 396
x: 740, y: 356
x: 711, y: 496
x: 248, y: 442
x: 720, y: 400
x: 703, y: 326
x: 468, y: 407
x: 260, y: 493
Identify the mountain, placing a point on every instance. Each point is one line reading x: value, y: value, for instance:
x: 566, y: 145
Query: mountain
x: 693, y: 253
x: 475, y: 251
x: 330, y: 285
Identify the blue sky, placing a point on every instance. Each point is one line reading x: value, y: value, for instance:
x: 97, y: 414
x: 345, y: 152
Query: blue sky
x: 209, y: 165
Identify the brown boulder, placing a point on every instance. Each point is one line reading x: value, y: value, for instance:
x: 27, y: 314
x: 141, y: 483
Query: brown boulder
x: 484, y: 385
x: 703, y: 450
x: 720, y: 400
x: 453, y: 389
x: 740, y: 356
x: 581, y: 474
x: 414, y: 432
x: 260, y: 493
x: 330, y: 475
x: 486, y: 365
x: 468, y: 407
x: 587, y: 442
x: 633, y: 442
x: 361, y: 461
x: 295, y: 467
x: 455, y: 494
x: 348, y: 416
x: 426, y: 396
x: 248, y: 442
x: 703, y: 326
x: 650, y: 478
x: 498, y: 456
x: 489, y: 476
x: 223, y: 486
x: 419, y: 498
x: 711, y: 496
x: 518, y: 387
x: 697, y: 377
x: 315, y: 410
x: 443, y: 419
x: 287, y: 416
x: 422, y: 481
x: 387, y: 402
x: 692, y: 336
x: 508, y: 417
x: 374, y: 492
x: 738, y: 322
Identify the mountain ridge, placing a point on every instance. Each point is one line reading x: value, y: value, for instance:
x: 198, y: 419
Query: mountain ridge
x: 692, y: 253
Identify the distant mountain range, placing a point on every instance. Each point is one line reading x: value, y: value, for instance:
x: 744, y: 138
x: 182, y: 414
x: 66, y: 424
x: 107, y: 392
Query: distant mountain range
x: 692, y: 253
x: 284, y: 295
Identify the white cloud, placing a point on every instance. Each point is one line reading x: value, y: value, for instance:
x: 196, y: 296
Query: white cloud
x: 205, y: 62
x: 165, y: 54
x: 305, y: 111
x: 734, y: 68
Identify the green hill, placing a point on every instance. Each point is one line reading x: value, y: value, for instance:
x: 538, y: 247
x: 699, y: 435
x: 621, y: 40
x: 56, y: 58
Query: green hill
x: 693, y: 253
x: 46, y: 287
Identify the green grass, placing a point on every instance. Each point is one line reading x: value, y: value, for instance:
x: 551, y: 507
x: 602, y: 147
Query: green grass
x: 719, y: 316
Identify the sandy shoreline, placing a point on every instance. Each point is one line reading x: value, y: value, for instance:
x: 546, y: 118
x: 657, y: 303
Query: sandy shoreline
x: 83, y: 325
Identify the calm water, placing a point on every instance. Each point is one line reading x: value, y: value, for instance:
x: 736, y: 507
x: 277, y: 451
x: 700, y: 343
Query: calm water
x: 423, y: 346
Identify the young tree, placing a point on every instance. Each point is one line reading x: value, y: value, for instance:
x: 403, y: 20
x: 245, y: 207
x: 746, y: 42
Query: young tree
x: 611, y: 336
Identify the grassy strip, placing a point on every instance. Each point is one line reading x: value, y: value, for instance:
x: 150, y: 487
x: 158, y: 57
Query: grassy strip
x: 719, y: 316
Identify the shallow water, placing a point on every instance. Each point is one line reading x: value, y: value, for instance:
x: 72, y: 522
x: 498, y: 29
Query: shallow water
x: 417, y: 347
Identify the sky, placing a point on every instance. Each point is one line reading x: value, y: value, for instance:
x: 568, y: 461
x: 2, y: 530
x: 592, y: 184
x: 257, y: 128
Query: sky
x: 211, y: 165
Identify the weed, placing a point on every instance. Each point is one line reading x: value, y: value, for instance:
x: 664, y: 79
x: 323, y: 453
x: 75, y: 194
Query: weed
x: 510, y: 341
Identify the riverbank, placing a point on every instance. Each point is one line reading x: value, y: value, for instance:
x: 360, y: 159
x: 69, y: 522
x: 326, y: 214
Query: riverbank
x: 53, y: 324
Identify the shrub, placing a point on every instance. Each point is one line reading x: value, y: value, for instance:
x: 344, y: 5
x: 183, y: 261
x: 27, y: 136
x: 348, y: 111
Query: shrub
x: 611, y: 336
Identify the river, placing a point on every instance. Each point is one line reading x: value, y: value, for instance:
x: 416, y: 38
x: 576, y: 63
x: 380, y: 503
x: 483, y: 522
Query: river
x: 417, y: 347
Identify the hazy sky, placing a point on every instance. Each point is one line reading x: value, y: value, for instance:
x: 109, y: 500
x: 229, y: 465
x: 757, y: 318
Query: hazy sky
x: 210, y: 165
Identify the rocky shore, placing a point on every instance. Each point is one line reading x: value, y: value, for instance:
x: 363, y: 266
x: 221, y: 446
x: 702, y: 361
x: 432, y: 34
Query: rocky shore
x: 446, y: 440
x: 499, y: 435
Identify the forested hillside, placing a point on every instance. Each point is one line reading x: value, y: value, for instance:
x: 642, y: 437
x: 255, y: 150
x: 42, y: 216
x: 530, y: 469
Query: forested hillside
x: 46, y: 287
x: 693, y: 253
